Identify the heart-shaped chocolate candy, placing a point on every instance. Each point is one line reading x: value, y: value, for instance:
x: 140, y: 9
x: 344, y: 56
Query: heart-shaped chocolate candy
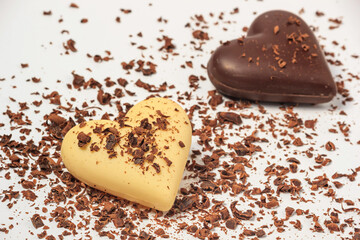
x: 280, y: 60
x: 141, y: 158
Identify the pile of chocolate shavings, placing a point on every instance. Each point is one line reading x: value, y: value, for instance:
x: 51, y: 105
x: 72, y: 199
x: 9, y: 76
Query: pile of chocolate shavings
x: 147, y: 68
x: 140, y: 142
x: 142, y: 146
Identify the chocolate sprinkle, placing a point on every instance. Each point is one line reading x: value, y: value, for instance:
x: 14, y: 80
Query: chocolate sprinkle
x: 157, y: 167
x: 230, y: 117
x: 168, y: 162
x: 111, y: 141
x: 83, y: 139
x: 181, y: 144
x: 37, y: 221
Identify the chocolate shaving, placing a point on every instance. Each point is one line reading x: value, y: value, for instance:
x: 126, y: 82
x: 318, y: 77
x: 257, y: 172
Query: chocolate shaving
x: 83, y: 139
x: 276, y: 29
x: 247, y: 215
x: 229, y: 117
x: 70, y: 44
x: 103, y: 98
x: 168, y: 162
x: 168, y: 46
x: 161, y: 115
x: 156, y: 167
x: 231, y: 223
x: 111, y: 141
x: 181, y: 144
x: 198, y: 34
x: 37, y: 221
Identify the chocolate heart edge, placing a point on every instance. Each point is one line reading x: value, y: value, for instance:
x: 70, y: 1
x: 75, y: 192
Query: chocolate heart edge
x: 265, y: 97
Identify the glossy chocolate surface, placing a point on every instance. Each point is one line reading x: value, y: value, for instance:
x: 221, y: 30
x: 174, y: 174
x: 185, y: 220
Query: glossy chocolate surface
x: 280, y: 60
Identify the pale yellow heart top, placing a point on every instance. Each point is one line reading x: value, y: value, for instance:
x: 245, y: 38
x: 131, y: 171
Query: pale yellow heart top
x: 141, y: 159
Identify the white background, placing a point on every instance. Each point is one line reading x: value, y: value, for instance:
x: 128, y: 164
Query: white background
x: 27, y: 36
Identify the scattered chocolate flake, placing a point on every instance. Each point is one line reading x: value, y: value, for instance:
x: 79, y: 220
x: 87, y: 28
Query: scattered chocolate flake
x: 78, y: 80
x: 330, y: 146
x: 128, y: 66
x: 146, y: 71
x: 181, y: 144
x: 161, y: 115
x: 83, y: 139
x: 229, y: 117
x: 151, y: 88
x: 29, y: 195
x: 70, y: 44
x: 198, y: 34
x: 103, y: 98
x: 27, y: 184
x: 249, y: 233
x: 185, y: 203
x: 47, y: 13
x: 231, y: 223
x: 281, y: 63
x: 168, y: 162
x: 74, y: 5
x: 298, y: 142
x: 260, y: 233
x: 122, y: 82
x: 319, y: 14
x: 37, y: 221
x: 247, y: 215
x: 125, y: 11
x: 215, y: 100
x: 35, y: 80
x: 168, y: 45
x: 156, y: 167
x: 289, y: 211
x: 276, y: 29
x: 111, y: 141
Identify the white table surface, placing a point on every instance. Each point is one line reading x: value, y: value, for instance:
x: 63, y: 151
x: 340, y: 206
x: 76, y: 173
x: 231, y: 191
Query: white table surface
x: 27, y: 36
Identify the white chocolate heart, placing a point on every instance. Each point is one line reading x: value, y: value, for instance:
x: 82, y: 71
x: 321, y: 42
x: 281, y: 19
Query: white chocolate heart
x: 150, y: 171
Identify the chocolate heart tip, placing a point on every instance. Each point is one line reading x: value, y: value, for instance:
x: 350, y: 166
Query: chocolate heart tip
x: 280, y: 60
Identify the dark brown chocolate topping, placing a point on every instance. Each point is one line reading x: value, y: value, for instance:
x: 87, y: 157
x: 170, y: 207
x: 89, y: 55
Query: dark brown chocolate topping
x: 280, y: 60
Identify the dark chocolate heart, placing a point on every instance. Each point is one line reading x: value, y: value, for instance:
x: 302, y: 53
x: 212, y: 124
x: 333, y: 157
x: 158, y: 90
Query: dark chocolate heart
x: 280, y: 60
